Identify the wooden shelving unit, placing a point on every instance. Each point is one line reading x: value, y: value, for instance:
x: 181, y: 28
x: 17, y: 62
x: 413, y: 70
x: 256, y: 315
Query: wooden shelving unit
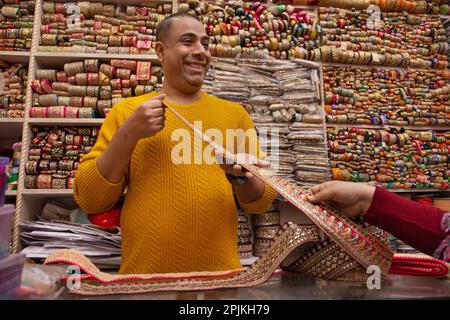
x: 63, y: 57
x: 369, y: 67
x: 47, y: 192
x: 15, y: 57
x: 387, y: 126
x: 30, y: 201
x: 12, y: 193
x: 421, y: 191
x: 65, y: 122
x: 11, y: 128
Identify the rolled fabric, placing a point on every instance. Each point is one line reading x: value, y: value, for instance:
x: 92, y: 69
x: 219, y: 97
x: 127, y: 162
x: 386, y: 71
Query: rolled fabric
x: 48, y: 100
x: 38, y: 112
x: 76, y: 102
x: 77, y: 90
x: 60, y: 86
x: 422, y: 266
x: 365, y: 161
x: 108, y: 70
x: 110, y: 22
x: 91, y: 65
x: 44, y: 181
x: 93, y: 90
x: 57, y: 112
x: 74, y: 68
x: 426, y: 91
x: 72, y: 112
x: 30, y: 182
x: 242, y: 29
x: 41, y: 86
x: 381, y: 47
x: 61, y: 76
x: 123, y: 73
x: 102, y: 105
x: 16, y: 25
x: 90, y: 102
x: 63, y: 101
x: 47, y: 74
x: 86, y: 113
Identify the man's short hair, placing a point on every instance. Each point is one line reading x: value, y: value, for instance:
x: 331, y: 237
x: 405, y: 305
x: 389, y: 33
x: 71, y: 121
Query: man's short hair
x: 162, y: 31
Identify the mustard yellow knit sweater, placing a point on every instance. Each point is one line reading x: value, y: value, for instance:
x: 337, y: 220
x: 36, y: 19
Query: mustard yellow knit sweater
x: 176, y: 217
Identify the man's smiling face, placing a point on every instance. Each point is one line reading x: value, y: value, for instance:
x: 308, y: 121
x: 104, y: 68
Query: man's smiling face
x: 184, y: 54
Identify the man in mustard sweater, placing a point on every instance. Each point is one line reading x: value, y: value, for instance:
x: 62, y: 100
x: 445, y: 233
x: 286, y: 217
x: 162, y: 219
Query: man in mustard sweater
x: 176, y: 217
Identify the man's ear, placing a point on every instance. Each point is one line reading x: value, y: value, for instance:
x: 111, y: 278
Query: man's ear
x: 159, y: 47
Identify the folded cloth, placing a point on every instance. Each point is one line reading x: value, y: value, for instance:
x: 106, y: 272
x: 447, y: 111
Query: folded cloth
x: 413, y: 265
x: 443, y: 251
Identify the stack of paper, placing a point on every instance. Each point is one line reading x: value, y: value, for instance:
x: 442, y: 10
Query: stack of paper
x: 101, y: 245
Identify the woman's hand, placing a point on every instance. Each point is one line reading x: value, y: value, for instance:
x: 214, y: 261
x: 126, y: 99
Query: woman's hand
x: 349, y: 198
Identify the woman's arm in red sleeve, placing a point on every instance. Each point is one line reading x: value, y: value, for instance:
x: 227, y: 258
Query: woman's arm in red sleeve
x: 415, y: 224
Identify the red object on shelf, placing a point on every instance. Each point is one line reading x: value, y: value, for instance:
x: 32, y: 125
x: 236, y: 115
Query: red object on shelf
x: 107, y: 219
x: 425, y: 200
x: 418, y: 266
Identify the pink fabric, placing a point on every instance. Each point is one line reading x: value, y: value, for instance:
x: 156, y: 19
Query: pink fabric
x: 418, y: 266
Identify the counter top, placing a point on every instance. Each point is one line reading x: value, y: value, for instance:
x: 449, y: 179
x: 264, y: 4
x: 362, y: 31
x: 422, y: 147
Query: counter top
x: 288, y: 286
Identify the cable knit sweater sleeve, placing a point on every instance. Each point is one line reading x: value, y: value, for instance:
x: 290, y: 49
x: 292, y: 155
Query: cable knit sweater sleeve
x: 92, y: 191
x: 417, y: 225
